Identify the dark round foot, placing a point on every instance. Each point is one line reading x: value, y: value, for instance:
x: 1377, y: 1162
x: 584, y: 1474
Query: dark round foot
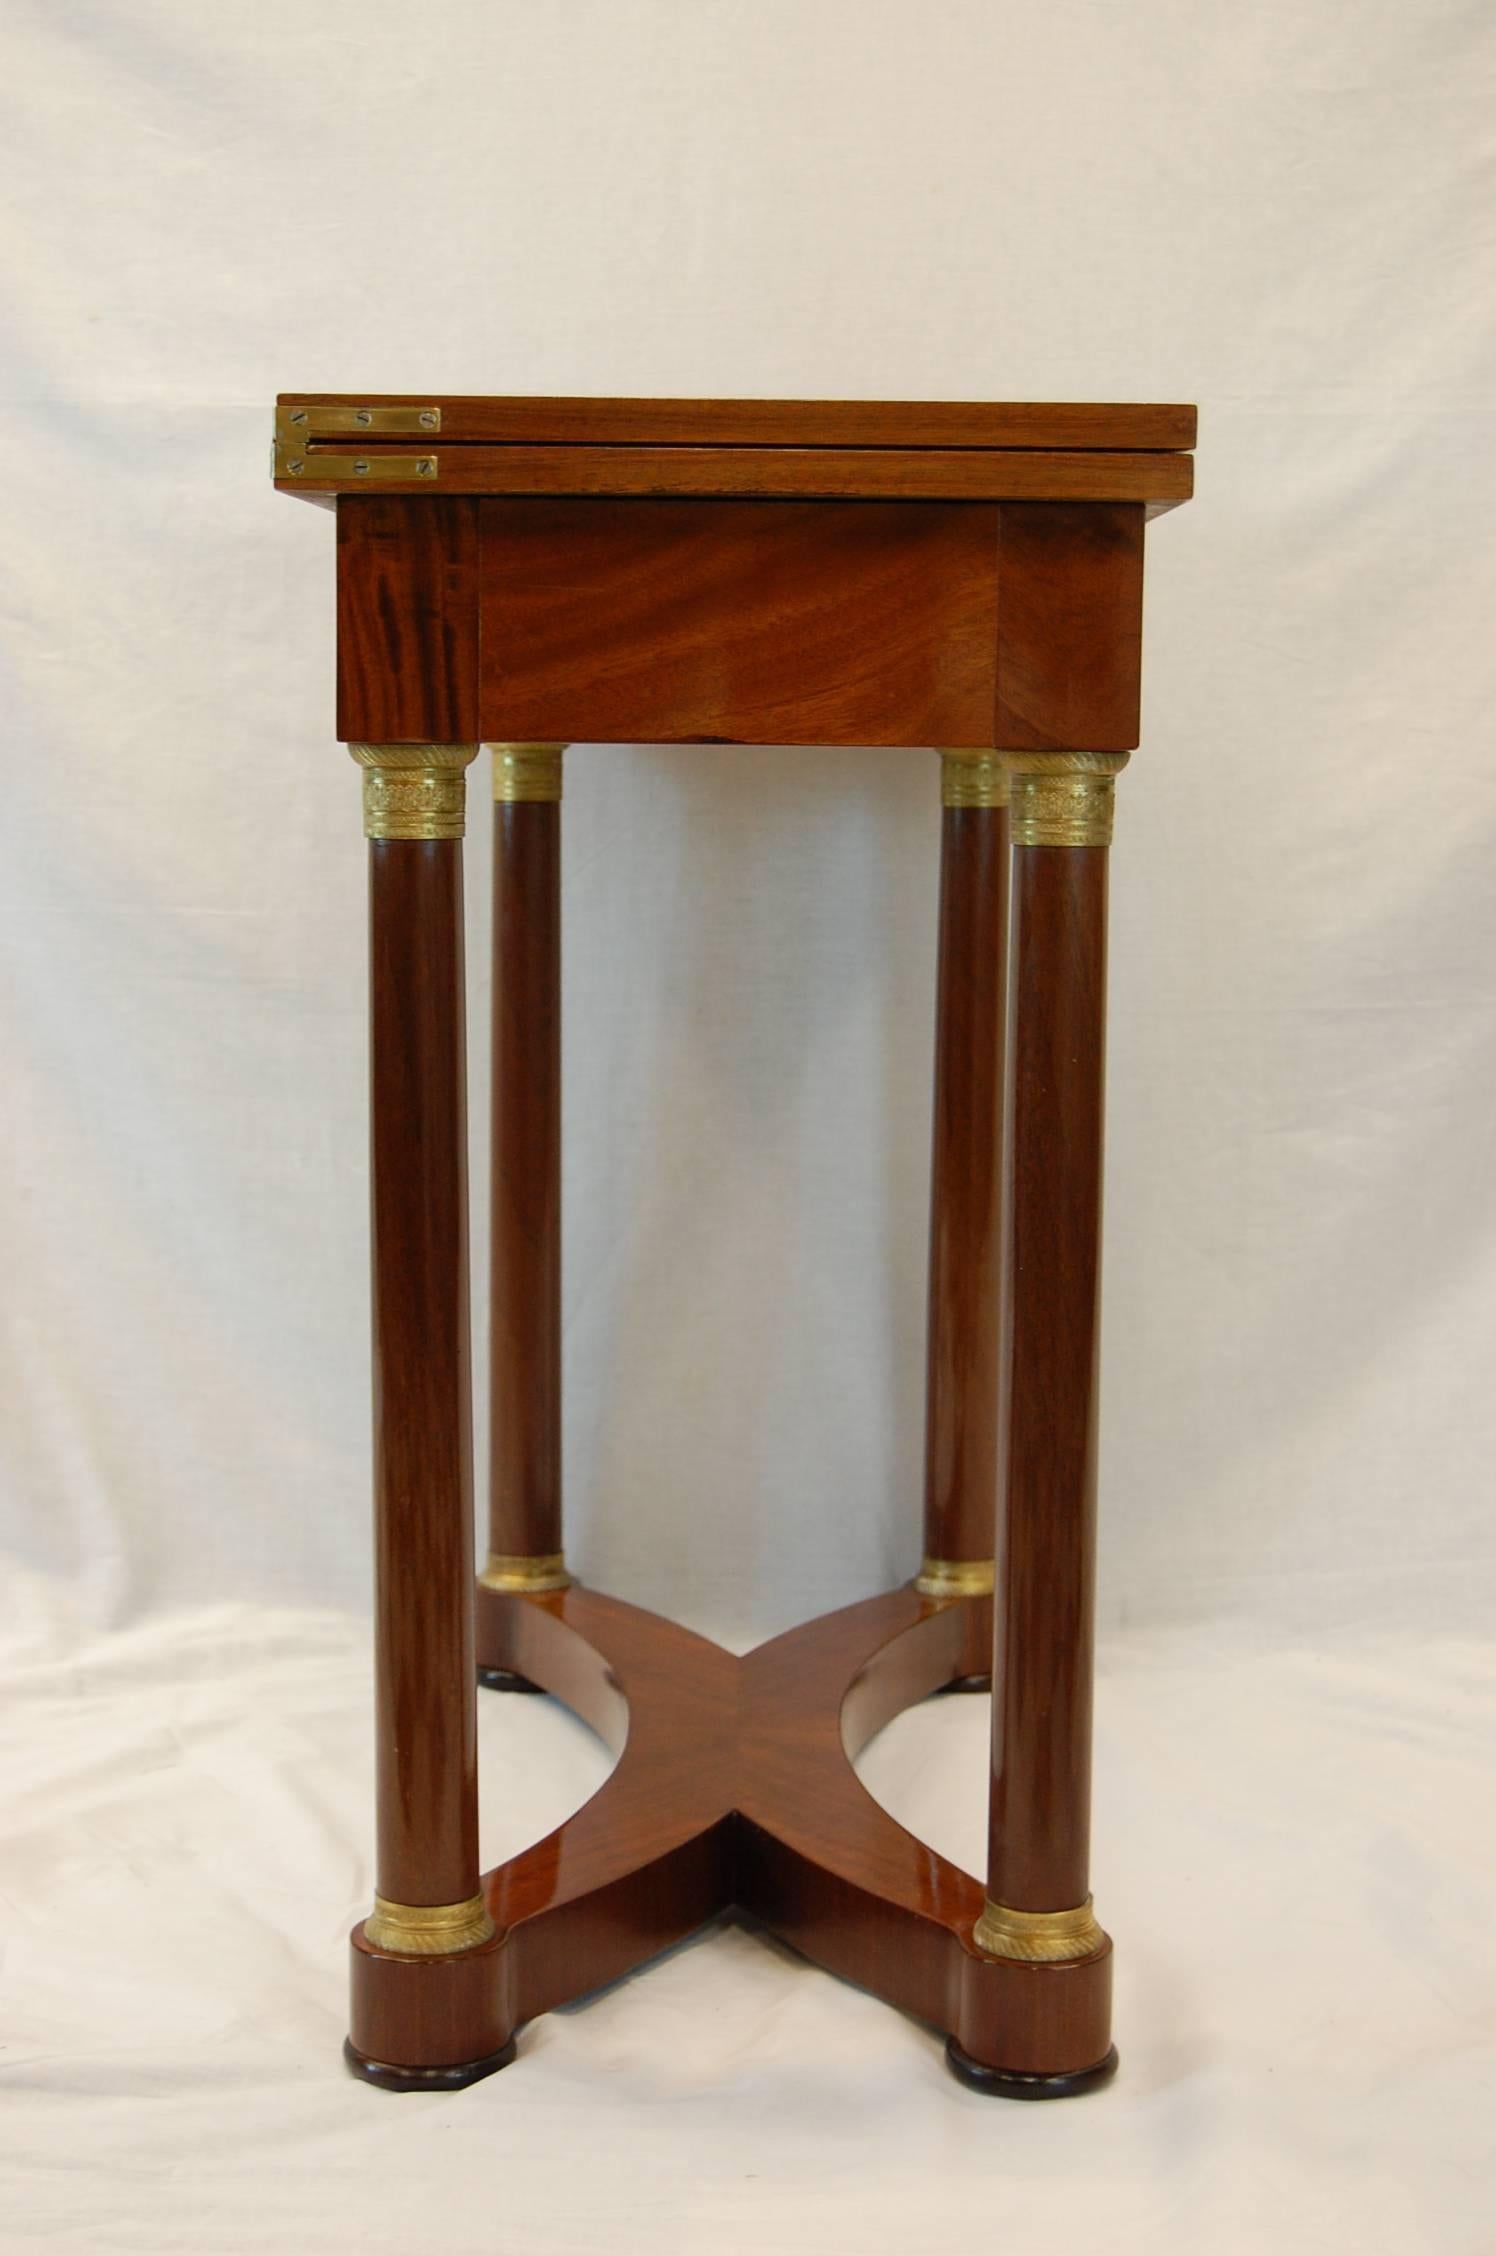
x: 380, y: 2073
x: 981, y: 1683
x: 505, y: 1680
x: 1012, y: 2083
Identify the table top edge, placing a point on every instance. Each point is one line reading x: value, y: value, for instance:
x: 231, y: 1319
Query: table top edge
x: 585, y: 419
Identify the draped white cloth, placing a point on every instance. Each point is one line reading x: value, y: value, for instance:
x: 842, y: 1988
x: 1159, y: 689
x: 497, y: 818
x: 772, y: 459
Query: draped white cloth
x: 1282, y: 212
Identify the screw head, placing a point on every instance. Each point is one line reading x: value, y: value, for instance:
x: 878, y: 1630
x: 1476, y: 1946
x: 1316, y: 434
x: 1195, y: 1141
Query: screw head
x: 428, y: 419
x: 298, y: 415
x: 296, y: 466
x: 425, y: 467
x: 360, y: 468
x: 363, y: 416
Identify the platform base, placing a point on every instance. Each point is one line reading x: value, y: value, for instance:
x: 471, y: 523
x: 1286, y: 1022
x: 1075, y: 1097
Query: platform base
x: 734, y: 1787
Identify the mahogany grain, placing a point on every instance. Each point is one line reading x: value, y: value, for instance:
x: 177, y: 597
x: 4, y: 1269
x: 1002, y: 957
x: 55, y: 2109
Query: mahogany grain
x: 785, y: 473
x: 963, y: 1337
x: 1070, y: 606
x: 407, y: 619
x: 762, y: 572
x: 1046, y: 1555
x: 425, y: 1699
x: 612, y: 620
x: 831, y: 1872
x: 734, y: 1786
x: 525, y: 1209
x: 773, y: 622
x: 578, y: 422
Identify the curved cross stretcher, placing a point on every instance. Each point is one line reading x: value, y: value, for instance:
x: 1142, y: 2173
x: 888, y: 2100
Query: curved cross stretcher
x: 734, y: 1787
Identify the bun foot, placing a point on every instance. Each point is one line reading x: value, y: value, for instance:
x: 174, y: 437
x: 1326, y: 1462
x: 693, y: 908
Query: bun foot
x: 386, y: 2078
x: 1013, y: 2083
x: 505, y: 1680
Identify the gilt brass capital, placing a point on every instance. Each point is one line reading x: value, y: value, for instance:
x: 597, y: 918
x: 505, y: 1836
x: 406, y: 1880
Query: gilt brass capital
x: 414, y: 790
x: 1062, y: 798
x: 526, y: 771
x: 428, y: 1930
x: 1048, y: 1936
x: 971, y: 776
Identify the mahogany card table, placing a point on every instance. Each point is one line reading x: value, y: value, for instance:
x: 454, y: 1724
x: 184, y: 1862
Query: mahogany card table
x: 529, y: 573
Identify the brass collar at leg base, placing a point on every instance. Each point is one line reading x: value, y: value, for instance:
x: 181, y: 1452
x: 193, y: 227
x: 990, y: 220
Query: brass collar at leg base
x: 428, y: 1930
x: 1038, y: 1935
x: 955, y: 1578
x: 504, y: 1572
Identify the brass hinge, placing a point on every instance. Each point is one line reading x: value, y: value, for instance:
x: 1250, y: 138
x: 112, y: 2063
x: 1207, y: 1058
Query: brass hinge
x: 296, y: 428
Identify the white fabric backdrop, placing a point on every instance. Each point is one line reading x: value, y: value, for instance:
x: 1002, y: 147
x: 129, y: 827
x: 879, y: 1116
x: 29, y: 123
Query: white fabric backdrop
x: 1283, y: 212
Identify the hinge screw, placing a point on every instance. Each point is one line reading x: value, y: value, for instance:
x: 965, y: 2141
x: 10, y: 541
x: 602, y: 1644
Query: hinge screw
x: 428, y: 419
x: 360, y: 467
x: 296, y: 465
x: 298, y: 415
x: 425, y: 467
x: 363, y: 416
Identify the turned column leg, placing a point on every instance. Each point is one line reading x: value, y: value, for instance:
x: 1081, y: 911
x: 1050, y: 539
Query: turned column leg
x: 1038, y: 1909
x: 961, y: 1373
x: 427, y: 1904
x: 524, y: 1499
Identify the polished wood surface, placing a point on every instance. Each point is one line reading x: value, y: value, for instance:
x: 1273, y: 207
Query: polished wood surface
x: 407, y: 620
x: 512, y: 421
x: 525, y: 1211
x: 788, y: 473
x: 1042, y: 1671
x: 425, y: 1701
x: 831, y: 1872
x: 961, y: 1374
x: 733, y: 1786
x: 854, y: 449
x: 740, y: 622
x: 756, y: 572
x: 1069, y: 657
x: 639, y: 1866
x: 697, y: 621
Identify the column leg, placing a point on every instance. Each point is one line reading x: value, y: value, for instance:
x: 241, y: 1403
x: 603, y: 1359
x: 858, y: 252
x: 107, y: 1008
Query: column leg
x: 428, y: 1905
x: 1038, y: 1908
x: 961, y: 1379
x: 525, y: 1543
